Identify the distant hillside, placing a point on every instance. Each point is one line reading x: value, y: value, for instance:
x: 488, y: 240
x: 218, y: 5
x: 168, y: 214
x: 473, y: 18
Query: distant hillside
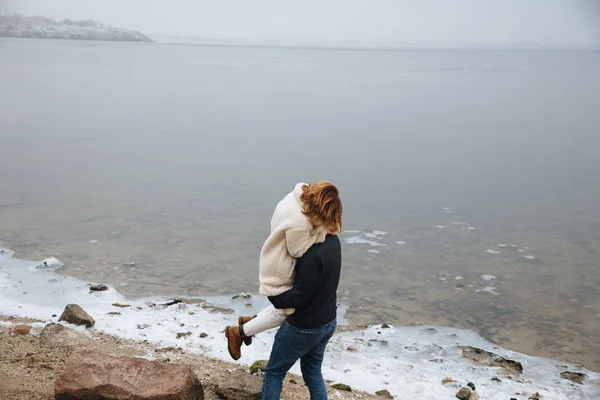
x: 45, y: 28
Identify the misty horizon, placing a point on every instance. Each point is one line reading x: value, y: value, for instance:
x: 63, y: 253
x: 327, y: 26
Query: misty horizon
x: 384, y: 23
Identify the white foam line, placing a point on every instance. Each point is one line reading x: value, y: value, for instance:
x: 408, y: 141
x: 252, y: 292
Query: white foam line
x: 396, y: 359
x: 492, y: 251
x: 360, y: 240
x: 489, y: 289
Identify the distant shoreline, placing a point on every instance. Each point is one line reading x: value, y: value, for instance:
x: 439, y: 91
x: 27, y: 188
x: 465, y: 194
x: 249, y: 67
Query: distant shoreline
x: 240, y: 43
x: 18, y: 26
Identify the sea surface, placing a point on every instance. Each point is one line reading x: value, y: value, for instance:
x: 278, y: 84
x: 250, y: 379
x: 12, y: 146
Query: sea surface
x: 470, y: 179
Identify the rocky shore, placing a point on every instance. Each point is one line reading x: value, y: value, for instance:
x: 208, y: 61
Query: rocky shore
x: 45, y: 28
x: 46, y: 361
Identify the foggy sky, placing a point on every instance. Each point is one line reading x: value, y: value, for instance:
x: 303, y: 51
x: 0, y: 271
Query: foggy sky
x: 361, y: 22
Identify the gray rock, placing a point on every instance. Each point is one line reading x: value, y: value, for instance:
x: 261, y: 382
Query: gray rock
x: 98, y: 288
x: 241, y: 386
x: 385, y: 394
x: 74, y: 314
x: 467, y: 393
x: 52, y: 329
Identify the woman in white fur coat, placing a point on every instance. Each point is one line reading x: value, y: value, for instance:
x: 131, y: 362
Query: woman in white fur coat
x: 304, y: 217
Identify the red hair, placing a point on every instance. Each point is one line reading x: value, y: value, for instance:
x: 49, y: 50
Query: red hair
x: 322, y: 205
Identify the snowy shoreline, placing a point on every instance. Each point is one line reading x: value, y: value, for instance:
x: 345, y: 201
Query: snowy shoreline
x: 407, y: 361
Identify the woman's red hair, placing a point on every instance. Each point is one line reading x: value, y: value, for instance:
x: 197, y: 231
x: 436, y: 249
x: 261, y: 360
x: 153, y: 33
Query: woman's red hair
x: 322, y: 205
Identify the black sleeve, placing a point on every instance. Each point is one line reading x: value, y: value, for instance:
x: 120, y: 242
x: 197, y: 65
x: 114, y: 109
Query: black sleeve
x: 305, y: 285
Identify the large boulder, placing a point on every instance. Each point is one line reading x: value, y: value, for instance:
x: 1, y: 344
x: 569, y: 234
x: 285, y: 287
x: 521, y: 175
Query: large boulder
x: 74, y: 314
x: 89, y: 374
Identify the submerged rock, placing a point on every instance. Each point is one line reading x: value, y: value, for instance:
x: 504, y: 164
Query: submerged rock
x: 575, y: 377
x: 89, y: 374
x: 242, y: 296
x: 213, y: 309
x: 487, y: 358
x: 447, y: 380
x: 74, y: 314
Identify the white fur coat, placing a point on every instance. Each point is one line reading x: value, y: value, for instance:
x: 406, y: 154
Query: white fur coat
x: 291, y: 236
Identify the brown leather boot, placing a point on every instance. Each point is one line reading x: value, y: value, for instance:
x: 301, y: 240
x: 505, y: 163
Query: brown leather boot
x: 234, y: 341
x: 241, y: 321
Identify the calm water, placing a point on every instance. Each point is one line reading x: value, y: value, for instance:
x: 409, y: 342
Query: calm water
x: 173, y: 157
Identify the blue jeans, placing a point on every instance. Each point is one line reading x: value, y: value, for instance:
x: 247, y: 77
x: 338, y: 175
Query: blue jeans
x: 292, y: 344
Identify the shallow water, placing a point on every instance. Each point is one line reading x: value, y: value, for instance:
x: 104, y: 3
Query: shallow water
x: 173, y: 158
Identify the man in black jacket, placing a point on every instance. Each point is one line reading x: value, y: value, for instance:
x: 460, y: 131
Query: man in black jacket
x: 305, y: 334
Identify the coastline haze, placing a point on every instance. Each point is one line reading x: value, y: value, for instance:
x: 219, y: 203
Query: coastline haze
x: 382, y: 23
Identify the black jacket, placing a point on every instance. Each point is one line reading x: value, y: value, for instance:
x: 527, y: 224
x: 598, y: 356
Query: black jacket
x: 314, y: 294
